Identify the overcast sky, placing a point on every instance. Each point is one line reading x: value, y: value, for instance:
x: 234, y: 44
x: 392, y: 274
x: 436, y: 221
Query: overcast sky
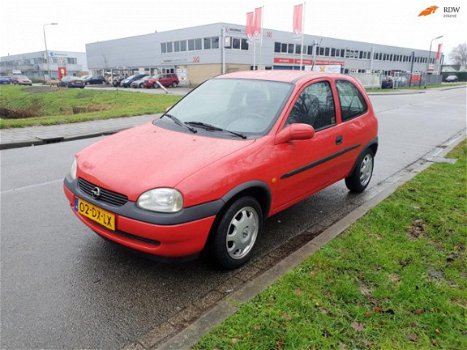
x: 393, y: 22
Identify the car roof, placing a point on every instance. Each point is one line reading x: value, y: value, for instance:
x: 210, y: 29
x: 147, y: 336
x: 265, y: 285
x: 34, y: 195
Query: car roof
x: 289, y: 76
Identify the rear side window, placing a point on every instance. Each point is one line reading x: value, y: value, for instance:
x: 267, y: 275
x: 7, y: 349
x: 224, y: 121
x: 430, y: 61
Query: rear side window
x: 352, y: 102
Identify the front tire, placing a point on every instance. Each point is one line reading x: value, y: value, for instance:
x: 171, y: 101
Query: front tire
x: 360, y: 177
x: 236, y: 233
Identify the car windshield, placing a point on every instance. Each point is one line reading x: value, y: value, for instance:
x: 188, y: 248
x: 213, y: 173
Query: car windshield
x: 244, y: 106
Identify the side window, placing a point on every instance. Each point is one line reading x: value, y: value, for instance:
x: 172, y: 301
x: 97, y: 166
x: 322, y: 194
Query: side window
x: 314, y: 106
x: 352, y: 102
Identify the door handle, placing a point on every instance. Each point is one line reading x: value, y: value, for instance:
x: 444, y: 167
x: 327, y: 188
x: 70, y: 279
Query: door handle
x: 339, y: 139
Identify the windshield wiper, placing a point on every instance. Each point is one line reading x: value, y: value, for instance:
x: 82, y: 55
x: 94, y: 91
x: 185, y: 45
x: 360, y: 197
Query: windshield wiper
x: 179, y: 122
x: 211, y: 127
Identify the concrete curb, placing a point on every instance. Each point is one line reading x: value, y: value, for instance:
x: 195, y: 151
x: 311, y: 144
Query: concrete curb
x: 189, y: 336
x: 47, y: 141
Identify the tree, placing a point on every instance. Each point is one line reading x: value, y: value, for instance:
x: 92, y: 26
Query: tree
x: 459, y: 54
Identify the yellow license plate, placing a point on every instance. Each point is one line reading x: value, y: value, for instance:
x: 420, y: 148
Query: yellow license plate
x: 96, y: 214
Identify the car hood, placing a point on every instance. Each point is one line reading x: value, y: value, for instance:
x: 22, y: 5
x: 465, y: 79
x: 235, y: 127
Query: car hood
x: 136, y: 160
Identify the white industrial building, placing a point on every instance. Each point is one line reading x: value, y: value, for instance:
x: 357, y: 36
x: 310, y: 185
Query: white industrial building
x: 201, y: 52
x: 34, y: 64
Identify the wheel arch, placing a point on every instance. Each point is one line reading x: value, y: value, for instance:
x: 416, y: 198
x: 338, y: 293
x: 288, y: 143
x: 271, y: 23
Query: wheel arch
x: 256, y: 189
x: 373, y: 145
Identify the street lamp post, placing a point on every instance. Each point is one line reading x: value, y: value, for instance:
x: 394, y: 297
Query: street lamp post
x: 45, y: 43
x: 429, y: 57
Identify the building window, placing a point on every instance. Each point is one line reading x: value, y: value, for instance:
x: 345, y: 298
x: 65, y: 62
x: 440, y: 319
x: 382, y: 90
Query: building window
x: 244, y: 45
x: 235, y: 43
x: 298, y: 48
x: 310, y: 49
x: 207, y: 43
x: 176, y: 46
x: 163, y: 47
x: 326, y: 51
x: 191, y: 44
x: 283, y: 48
x: 277, y: 47
x: 321, y: 51
x: 333, y: 52
x: 215, y: 42
x: 291, y: 48
x: 183, y: 45
x: 198, y: 45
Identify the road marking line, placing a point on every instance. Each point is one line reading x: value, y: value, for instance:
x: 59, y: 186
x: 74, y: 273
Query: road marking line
x: 23, y: 188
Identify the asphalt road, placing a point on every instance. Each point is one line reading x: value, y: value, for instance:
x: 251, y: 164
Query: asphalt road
x: 64, y: 287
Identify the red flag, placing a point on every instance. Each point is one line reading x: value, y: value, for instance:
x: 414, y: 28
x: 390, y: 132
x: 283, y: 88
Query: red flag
x: 250, y: 24
x: 258, y: 21
x: 438, y: 54
x: 298, y: 18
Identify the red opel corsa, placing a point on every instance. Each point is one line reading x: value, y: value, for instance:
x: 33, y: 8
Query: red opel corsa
x: 239, y: 148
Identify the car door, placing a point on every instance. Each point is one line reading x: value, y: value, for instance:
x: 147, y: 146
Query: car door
x: 354, y: 130
x: 306, y: 166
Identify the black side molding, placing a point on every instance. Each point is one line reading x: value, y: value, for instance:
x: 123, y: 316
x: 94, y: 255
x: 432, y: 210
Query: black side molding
x: 318, y: 162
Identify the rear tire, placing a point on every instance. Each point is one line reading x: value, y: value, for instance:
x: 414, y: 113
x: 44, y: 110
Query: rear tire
x: 235, y: 234
x: 360, y: 177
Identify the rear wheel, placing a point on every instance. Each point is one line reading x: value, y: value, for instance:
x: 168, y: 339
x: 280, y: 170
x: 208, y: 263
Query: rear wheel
x: 361, y: 175
x: 236, y: 233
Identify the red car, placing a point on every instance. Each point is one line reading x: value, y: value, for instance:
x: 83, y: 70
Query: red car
x: 236, y: 150
x: 167, y: 80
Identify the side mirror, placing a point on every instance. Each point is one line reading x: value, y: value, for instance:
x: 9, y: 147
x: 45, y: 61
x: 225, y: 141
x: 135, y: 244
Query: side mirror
x: 296, y: 131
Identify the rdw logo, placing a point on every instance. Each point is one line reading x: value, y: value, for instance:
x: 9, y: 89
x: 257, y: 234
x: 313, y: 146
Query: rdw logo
x: 428, y: 11
x: 452, y: 9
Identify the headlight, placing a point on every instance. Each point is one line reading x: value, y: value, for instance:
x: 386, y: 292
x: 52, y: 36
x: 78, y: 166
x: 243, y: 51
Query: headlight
x: 164, y: 200
x: 72, y: 174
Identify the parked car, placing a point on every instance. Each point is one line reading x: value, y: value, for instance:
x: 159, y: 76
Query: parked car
x: 167, y: 80
x: 140, y: 82
x: 5, y: 80
x: 21, y: 80
x: 71, y: 82
x: 94, y: 80
x: 238, y: 149
x: 387, y: 83
x: 117, y: 80
x: 127, y: 82
x: 451, y: 78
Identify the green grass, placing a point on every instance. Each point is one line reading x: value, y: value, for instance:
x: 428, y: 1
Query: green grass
x: 49, y: 106
x: 396, y: 279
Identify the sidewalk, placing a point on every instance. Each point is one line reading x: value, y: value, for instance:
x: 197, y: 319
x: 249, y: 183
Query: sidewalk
x: 40, y: 135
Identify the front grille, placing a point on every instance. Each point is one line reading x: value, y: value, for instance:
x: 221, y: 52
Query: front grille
x: 106, y: 196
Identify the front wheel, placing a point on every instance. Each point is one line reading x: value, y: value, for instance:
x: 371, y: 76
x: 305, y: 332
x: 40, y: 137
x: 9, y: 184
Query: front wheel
x: 360, y: 177
x: 236, y: 233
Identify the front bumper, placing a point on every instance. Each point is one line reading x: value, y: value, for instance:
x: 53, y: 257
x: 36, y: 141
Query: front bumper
x: 180, y: 238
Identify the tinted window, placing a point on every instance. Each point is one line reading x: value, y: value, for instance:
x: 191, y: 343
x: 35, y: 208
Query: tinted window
x: 352, y: 101
x: 314, y: 106
x: 236, y: 43
x: 215, y: 42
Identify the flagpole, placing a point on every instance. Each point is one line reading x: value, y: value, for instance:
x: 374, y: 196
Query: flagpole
x: 261, y: 39
x: 303, y: 30
x: 254, y: 53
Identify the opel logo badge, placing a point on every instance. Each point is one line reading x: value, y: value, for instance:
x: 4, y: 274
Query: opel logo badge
x: 96, y: 192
